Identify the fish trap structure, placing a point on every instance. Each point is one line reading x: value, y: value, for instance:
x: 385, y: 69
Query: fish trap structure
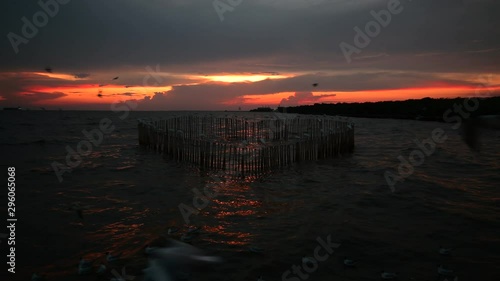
x: 247, y: 144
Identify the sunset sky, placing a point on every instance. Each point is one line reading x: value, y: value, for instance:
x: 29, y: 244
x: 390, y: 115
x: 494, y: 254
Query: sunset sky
x: 180, y: 55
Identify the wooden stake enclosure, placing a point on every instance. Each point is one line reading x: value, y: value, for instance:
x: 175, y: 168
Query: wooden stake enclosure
x: 247, y: 144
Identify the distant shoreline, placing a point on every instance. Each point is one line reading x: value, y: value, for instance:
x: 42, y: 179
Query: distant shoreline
x: 426, y: 109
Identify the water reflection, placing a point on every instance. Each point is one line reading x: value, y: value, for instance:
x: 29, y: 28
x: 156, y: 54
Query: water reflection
x: 229, y: 216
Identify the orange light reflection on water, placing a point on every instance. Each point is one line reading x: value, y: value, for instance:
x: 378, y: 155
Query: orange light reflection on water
x: 235, y: 238
x: 232, y: 202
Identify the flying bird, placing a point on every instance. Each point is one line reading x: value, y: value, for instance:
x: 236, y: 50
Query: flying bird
x: 444, y: 251
x: 36, y: 277
x: 388, y: 275
x: 444, y: 271
x: 48, y: 69
x: 348, y: 262
x: 116, y: 78
x: 84, y: 266
x: 113, y: 257
x: 176, y: 261
x: 101, y: 269
x: 315, y: 84
x: 308, y: 260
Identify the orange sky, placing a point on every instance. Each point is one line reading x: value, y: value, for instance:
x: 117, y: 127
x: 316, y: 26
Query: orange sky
x: 86, y: 93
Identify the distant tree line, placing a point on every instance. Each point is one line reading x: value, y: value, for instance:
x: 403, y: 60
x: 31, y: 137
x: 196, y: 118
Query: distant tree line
x: 421, y: 109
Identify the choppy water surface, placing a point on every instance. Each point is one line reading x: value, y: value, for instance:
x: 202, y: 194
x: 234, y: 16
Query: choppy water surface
x: 133, y: 197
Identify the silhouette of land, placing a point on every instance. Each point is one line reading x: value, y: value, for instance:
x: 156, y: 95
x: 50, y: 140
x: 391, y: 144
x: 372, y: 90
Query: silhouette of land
x: 428, y: 109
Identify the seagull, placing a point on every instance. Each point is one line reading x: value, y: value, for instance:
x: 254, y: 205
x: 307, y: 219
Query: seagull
x: 85, y: 263
x: 444, y: 271
x: 388, y: 275
x: 116, y: 78
x: 445, y: 251
x: 84, y: 266
x: 112, y: 258
x: 315, y: 84
x: 101, y: 269
x: 148, y: 249
x: 255, y: 249
x: 48, y: 69
x: 170, y: 263
x: 84, y: 270
x: 349, y: 262
x: 36, y: 277
x: 187, y: 238
x: 308, y: 260
x: 172, y: 230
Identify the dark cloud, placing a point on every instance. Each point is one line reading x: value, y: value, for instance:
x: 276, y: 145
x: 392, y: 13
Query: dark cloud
x: 301, y: 98
x: 109, y: 34
x: 212, y: 95
x: 268, y: 37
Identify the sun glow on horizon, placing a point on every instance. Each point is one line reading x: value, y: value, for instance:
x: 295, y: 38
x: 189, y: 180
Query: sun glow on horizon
x: 43, y: 89
x: 92, y: 94
x: 231, y: 78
